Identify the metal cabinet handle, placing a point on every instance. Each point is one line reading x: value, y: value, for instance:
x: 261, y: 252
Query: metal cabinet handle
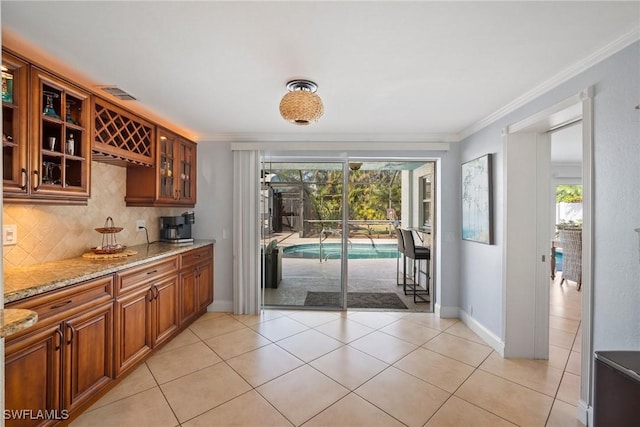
x: 25, y: 179
x: 53, y: 307
x: 151, y: 296
x: 157, y: 292
x: 73, y: 333
x: 152, y: 271
x: 36, y: 181
x: 60, y: 339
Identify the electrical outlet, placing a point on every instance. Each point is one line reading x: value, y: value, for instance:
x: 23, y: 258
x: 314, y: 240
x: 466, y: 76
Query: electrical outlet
x: 9, y: 235
x: 140, y: 225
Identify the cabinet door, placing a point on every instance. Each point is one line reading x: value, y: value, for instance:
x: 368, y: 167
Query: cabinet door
x: 60, y: 153
x: 205, y: 285
x: 32, y: 376
x: 188, y: 295
x: 187, y: 178
x: 133, y: 328
x: 14, y: 125
x: 88, y: 363
x: 166, y: 166
x: 165, y: 304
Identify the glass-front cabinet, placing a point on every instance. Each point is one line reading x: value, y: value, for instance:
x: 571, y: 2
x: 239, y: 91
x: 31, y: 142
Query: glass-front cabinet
x: 60, y: 151
x: 173, y: 180
x: 186, y: 186
x: 15, y: 80
x: 45, y: 137
x: 176, y: 168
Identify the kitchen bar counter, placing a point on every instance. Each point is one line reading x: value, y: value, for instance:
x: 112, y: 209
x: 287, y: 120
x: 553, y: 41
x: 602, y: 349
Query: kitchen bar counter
x: 14, y: 320
x: 24, y: 282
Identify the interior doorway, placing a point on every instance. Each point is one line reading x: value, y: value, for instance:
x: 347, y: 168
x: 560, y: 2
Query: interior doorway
x: 529, y: 226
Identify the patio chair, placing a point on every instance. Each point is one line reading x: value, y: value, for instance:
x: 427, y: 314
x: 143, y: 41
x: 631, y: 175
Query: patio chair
x: 417, y: 253
x: 571, y: 242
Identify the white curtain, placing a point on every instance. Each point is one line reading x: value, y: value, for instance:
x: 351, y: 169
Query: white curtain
x: 246, y: 232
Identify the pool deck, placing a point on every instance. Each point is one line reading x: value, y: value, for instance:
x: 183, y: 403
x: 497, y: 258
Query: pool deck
x: 300, y: 275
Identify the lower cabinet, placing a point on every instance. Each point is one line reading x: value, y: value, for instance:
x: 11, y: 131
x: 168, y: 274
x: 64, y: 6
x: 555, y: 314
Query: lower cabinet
x: 196, y: 282
x: 88, y: 361
x: 86, y: 338
x: 63, y: 361
x: 32, y: 376
x: 146, y: 315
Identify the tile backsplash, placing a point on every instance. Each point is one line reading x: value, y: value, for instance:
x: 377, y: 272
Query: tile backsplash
x: 49, y: 233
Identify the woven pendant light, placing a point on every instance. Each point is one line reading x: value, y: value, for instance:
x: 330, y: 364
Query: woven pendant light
x: 301, y: 106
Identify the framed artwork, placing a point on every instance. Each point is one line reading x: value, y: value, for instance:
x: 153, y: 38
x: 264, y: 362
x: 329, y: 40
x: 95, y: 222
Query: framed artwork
x: 477, y: 200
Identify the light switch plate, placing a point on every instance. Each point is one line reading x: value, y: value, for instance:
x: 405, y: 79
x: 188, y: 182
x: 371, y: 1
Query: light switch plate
x: 9, y: 235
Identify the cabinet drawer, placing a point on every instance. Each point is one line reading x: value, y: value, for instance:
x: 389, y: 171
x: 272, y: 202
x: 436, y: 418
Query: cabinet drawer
x: 67, y: 300
x: 141, y: 275
x: 196, y: 256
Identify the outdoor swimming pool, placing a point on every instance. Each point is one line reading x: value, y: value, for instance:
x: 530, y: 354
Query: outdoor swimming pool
x: 333, y: 251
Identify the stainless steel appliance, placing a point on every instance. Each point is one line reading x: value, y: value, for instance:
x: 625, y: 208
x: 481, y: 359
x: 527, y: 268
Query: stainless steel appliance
x: 177, y: 229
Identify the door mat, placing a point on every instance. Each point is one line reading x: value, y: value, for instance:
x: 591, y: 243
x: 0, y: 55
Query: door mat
x: 356, y: 300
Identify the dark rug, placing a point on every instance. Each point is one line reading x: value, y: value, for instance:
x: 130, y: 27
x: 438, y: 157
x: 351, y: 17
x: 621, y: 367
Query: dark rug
x: 356, y: 300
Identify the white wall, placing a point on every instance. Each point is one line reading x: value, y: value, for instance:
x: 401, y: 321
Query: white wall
x: 616, y: 278
x: 214, y: 215
x: 448, y: 177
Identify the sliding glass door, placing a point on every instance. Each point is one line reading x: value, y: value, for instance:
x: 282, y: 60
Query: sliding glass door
x: 303, y: 234
x: 329, y: 233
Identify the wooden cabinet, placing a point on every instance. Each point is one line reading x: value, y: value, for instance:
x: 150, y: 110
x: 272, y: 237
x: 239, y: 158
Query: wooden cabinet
x: 60, y: 154
x: 196, y: 282
x: 15, y: 81
x: 85, y: 339
x: 32, y: 375
x: 121, y: 137
x: 46, y: 145
x: 172, y: 182
x: 146, y: 310
x: 66, y: 358
x: 88, y: 361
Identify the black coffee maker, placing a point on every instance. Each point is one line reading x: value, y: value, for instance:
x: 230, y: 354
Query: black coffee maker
x: 177, y: 229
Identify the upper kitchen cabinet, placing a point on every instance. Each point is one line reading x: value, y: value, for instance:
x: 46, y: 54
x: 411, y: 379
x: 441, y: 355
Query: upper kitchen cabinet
x: 60, y: 154
x: 46, y: 145
x: 172, y: 182
x: 121, y: 137
x: 15, y: 81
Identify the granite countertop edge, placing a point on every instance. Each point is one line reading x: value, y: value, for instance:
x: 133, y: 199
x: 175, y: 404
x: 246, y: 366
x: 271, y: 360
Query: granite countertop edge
x: 15, y: 320
x: 25, y: 282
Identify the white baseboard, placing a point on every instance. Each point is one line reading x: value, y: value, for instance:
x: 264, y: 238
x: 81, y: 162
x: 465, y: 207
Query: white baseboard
x: 585, y: 413
x: 446, y: 312
x: 221, y: 306
x: 489, y: 337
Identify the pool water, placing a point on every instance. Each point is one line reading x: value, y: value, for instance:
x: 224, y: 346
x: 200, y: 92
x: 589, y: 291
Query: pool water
x: 334, y: 250
x: 558, y: 261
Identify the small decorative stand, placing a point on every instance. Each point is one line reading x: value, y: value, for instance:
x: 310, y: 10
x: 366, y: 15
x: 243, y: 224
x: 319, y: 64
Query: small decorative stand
x: 109, y: 248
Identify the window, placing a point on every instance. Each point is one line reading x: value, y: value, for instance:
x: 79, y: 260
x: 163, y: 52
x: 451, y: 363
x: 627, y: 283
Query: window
x: 426, y: 187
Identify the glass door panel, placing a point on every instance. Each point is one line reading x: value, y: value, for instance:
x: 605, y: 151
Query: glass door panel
x: 303, y: 234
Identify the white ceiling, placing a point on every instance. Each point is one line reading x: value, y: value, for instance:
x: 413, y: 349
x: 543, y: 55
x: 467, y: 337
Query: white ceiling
x: 399, y: 71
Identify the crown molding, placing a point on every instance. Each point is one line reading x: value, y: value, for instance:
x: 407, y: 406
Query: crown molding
x: 330, y: 137
x: 394, y: 146
x: 615, y: 46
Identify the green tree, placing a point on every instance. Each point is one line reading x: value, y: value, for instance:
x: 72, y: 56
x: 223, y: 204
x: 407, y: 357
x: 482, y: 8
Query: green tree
x: 568, y: 193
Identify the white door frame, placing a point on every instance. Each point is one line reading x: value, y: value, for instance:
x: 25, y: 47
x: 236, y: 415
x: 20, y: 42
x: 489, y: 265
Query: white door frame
x: 525, y: 312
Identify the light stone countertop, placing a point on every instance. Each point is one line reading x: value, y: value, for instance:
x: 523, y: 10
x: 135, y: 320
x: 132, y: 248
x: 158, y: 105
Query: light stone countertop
x: 24, y: 282
x: 13, y: 320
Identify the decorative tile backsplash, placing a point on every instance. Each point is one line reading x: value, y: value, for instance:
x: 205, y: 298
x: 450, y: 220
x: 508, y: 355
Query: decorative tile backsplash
x: 50, y: 233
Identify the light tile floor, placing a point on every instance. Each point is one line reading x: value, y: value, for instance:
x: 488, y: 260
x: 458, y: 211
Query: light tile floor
x: 285, y: 368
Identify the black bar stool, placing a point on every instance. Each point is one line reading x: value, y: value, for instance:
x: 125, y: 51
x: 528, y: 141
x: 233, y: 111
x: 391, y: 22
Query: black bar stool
x: 417, y: 253
x: 400, y: 255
